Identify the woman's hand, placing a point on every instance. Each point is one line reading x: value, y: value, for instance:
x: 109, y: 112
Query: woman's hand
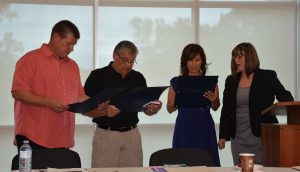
x: 221, y: 143
x: 213, y: 97
x: 210, y: 96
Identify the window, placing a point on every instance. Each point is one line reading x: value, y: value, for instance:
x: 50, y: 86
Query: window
x: 160, y: 29
x: 25, y: 27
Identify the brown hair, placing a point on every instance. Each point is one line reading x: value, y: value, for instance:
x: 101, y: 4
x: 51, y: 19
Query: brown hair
x: 64, y: 27
x: 190, y: 52
x: 251, y: 58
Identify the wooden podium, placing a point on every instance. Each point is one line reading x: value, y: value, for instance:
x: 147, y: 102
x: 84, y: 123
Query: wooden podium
x: 281, y: 142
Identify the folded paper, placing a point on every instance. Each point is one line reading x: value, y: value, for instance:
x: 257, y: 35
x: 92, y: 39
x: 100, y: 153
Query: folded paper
x: 190, y: 90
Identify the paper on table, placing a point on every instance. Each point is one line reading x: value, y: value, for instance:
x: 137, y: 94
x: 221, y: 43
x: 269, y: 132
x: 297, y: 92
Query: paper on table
x: 158, y: 169
x: 120, y: 169
x: 67, y: 170
x: 190, y: 169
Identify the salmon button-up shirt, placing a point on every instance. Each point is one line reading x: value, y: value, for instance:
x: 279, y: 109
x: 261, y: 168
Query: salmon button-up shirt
x: 43, y: 73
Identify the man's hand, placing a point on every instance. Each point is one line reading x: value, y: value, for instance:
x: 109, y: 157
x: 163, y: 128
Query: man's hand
x: 103, y: 109
x: 109, y: 110
x: 57, y: 106
x: 152, y: 107
x: 33, y: 99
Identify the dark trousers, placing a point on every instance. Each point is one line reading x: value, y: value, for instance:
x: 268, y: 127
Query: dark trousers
x: 21, y: 138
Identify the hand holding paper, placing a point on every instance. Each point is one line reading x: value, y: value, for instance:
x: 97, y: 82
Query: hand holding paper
x: 210, y: 96
x: 156, y: 102
x: 121, y: 99
x: 112, y: 110
x: 97, y: 102
x: 103, y: 109
x: 195, y: 91
x: 152, y: 107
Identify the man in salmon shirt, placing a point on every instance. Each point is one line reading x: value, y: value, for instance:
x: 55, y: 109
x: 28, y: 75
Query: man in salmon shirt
x: 45, y: 81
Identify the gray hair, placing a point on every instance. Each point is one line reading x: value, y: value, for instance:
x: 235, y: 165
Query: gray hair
x: 126, y: 45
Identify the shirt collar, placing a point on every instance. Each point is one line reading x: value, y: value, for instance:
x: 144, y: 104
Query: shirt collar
x: 116, y: 73
x: 49, y: 54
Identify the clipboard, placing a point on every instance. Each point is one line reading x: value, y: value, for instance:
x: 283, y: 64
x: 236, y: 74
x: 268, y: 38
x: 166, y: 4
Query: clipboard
x: 190, y: 89
x: 127, y: 100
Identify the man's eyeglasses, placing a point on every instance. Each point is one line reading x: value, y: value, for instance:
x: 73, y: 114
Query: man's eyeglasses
x: 133, y: 62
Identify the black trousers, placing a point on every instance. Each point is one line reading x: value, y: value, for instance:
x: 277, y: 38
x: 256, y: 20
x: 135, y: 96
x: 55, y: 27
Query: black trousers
x: 21, y: 138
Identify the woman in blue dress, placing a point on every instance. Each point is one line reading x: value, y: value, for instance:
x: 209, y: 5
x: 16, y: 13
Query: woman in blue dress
x: 194, y: 127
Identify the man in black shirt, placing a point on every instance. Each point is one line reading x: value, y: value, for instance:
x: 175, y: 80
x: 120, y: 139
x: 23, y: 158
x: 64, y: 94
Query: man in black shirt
x: 117, y: 141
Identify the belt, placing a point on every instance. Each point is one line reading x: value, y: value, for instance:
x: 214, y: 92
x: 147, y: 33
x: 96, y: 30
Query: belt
x: 120, y: 129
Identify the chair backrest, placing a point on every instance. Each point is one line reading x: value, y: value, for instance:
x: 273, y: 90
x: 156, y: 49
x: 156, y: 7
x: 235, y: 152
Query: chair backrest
x: 187, y: 156
x: 54, y: 158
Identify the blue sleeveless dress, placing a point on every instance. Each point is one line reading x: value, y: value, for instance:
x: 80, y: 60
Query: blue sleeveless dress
x: 195, y: 128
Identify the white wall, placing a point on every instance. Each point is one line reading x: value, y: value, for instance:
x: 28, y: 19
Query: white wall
x: 154, y: 137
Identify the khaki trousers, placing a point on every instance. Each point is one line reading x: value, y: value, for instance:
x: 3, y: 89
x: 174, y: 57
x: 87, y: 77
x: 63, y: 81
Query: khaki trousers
x: 117, y: 149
